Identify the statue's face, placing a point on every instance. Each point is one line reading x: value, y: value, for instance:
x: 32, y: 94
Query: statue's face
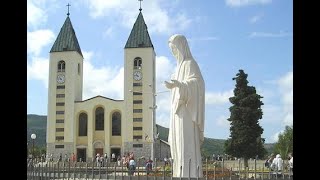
x: 174, y: 50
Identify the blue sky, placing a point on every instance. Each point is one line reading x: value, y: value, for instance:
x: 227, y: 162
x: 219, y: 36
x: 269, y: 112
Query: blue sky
x: 224, y: 36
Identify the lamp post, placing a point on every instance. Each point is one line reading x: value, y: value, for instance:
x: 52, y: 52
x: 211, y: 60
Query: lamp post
x: 153, y: 108
x: 33, y: 137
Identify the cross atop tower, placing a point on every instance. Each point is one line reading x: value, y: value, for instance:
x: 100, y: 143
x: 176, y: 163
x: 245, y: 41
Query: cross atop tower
x: 68, y: 9
x: 140, y: 5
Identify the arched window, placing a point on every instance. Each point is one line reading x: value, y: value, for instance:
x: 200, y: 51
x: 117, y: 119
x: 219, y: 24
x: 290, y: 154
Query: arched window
x: 116, y: 124
x: 61, y: 66
x: 83, y: 124
x: 99, y: 118
x: 137, y: 63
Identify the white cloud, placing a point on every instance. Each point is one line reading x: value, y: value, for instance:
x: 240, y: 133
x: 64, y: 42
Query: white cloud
x: 288, y: 99
x: 163, y: 119
x: 274, y: 138
x: 164, y: 69
x: 100, y: 8
x: 158, y: 19
x: 271, y: 35
x: 255, y: 18
x: 288, y: 119
x: 241, y: 3
x: 222, y: 121
x: 272, y: 114
x: 35, y: 15
x: 278, y: 105
x: 38, y: 70
x: 36, y: 40
x: 218, y: 98
x: 104, y: 81
x: 267, y: 93
x: 286, y: 88
x: 286, y: 82
x: 163, y: 109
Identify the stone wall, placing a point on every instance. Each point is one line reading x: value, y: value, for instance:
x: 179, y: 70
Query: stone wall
x: 51, y: 149
x: 144, y: 151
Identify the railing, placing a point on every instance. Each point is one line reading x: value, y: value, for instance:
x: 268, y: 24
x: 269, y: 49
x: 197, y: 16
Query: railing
x: 217, y: 170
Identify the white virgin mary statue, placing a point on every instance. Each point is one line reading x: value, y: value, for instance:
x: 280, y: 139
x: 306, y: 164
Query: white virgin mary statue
x: 187, y: 111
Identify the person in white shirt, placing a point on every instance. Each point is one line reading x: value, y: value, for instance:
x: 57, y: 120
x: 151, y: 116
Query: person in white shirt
x: 291, y: 163
x: 277, y: 164
x: 113, y: 157
x: 132, y: 166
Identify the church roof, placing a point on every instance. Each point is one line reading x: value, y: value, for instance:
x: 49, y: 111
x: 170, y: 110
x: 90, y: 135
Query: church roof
x: 139, y: 36
x: 98, y: 96
x: 66, y: 40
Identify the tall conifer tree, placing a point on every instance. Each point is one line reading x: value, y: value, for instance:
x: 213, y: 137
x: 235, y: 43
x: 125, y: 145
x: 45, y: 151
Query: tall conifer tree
x: 245, y: 132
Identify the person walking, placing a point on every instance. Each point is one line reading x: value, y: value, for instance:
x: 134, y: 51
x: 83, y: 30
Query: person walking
x: 277, y: 163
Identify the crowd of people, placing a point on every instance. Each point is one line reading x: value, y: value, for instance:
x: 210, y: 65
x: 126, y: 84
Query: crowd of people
x: 276, y: 164
x: 127, y: 160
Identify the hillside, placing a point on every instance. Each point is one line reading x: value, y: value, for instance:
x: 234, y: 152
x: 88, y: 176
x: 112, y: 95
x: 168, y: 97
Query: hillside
x: 37, y: 124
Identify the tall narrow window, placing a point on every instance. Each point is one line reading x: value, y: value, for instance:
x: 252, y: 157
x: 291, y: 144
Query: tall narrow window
x: 116, y: 124
x: 78, y: 68
x: 83, y: 124
x: 137, y: 63
x: 99, y: 119
x: 61, y: 66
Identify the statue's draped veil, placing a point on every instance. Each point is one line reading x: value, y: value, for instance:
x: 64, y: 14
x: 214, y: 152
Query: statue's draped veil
x: 180, y: 42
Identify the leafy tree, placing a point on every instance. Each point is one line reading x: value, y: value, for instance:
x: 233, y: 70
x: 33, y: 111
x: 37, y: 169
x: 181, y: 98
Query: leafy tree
x: 245, y: 132
x: 205, y: 154
x: 285, y: 142
x: 36, y: 150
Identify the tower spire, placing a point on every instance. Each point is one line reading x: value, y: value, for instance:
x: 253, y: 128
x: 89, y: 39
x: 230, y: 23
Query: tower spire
x: 140, y: 5
x: 68, y: 9
x: 139, y: 36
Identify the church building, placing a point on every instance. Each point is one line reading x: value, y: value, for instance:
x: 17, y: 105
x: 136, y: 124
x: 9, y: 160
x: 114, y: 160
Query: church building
x: 101, y: 124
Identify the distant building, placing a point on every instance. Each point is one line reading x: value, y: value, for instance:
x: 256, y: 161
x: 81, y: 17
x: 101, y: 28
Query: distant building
x: 100, y: 124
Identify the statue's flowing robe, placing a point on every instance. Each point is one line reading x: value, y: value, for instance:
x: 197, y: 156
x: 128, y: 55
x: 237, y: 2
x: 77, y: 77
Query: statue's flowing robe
x: 187, y: 116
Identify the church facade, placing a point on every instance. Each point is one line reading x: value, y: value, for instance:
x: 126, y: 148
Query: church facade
x: 100, y: 124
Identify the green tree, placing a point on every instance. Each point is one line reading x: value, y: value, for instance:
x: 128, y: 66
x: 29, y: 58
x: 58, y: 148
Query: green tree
x: 285, y: 142
x: 245, y: 132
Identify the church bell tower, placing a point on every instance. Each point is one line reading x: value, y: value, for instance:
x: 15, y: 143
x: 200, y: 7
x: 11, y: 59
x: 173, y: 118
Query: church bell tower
x: 65, y: 87
x: 139, y: 87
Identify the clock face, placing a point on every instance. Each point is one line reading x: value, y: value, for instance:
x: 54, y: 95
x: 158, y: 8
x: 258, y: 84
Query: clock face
x: 60, y: 78
x: 137, y: 75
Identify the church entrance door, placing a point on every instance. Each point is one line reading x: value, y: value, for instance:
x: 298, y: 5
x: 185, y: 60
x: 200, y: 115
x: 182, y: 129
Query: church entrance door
x: 81, y: 154
x: 99, y: 150
x: 116, y: 151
